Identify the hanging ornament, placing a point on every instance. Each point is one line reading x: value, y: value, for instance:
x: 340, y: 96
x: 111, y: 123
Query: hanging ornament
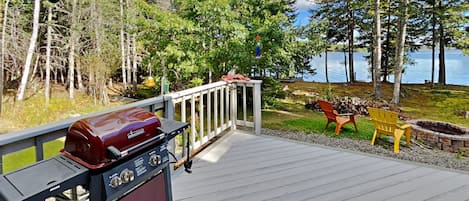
x: 258, y: 47
x: 258, y: 51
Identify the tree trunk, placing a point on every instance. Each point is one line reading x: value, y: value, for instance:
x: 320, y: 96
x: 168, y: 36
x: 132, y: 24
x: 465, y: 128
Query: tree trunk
x: 124, y: 80
x: 79, y: 76
x: 71, y: 56
x: 442, y: 71
x: 377, y: 50
x: 325, y: 66
x: 2, y: 59
x: 345, y: 65
x: 402, y: 25
x: 129, y: 65
x: 36, y: 64
x: 49, y: 41
x: 350, y: 34
x: 29, y: 56
x: 97, y: 24
x: 388, y: 44
x: 433, y: 40
x: 134, y: 59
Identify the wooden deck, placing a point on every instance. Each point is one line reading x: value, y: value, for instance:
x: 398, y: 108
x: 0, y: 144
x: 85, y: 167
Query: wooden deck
x: 246, y: 167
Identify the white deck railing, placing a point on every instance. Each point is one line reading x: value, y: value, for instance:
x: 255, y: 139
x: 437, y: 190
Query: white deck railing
x: 213, y: 110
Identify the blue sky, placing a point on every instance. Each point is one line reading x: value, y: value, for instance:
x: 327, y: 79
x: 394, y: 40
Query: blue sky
x: 302, y: 7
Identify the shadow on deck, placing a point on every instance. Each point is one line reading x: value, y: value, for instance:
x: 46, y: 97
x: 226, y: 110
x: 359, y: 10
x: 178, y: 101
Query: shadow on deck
x: 243, y: 166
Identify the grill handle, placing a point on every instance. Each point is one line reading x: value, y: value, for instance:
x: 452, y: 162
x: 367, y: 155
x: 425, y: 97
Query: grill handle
x: 114, y: 153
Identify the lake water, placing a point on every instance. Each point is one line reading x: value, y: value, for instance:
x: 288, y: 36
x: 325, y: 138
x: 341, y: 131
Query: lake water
x: 457, y: 68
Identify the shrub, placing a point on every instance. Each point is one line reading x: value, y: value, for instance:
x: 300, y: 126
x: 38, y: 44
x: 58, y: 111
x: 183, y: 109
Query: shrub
x: 271, y: 92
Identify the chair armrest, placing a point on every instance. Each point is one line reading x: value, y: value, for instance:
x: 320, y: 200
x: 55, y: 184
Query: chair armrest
x: 405, y: 126
x: 346, y: 114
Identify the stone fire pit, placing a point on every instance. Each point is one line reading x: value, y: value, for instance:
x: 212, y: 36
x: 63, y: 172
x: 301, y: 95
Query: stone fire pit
x: 440, y: 135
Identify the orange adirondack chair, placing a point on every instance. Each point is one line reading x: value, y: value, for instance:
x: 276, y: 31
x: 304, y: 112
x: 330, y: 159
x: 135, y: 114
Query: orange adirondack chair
x: 333, y: 116
x: 386, y: 123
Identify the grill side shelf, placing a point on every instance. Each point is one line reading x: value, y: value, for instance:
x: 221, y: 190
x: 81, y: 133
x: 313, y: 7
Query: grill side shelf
x: 172, y: 128
x: 43, y: 179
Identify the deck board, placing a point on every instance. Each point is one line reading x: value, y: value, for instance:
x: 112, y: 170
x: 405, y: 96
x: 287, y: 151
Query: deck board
x: 243, y: 166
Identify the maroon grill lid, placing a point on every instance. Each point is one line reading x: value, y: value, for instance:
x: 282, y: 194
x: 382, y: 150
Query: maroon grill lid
x: 87, y: 139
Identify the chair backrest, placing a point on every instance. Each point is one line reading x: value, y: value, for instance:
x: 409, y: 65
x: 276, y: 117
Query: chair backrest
x: 328, y: 110
x: 385, y: 121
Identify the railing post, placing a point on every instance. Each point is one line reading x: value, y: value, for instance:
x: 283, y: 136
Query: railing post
x: 257, y: 107
x: 1, y: 161
x: 234, y: 111
x: 169, y: 114
x: 39, y: 149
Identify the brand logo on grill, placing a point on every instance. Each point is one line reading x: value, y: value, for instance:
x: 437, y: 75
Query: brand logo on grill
x: 135, y: 133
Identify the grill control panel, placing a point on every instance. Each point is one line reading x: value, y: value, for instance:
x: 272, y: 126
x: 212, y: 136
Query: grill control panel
x: 129, y: 174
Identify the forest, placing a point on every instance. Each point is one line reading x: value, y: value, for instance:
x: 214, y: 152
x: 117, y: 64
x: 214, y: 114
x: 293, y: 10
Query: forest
x: 87, y: 44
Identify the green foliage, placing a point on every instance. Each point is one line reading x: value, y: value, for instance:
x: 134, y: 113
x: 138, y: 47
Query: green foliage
x: 328, y: 93
x: 196, y: 82
x: 271, y: 92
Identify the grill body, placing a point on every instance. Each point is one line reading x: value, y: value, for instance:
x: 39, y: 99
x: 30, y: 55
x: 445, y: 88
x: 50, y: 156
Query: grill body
x: 117, y: 156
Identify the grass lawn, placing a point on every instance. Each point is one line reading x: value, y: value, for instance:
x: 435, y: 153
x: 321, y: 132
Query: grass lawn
x: 293, y: 117
x: 27, y: 156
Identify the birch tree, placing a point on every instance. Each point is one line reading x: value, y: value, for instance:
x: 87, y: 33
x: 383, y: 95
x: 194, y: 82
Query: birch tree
x: 402, y: 25
x: 48, y: 54
x: 2, y: 59
x: 29, y: 56
x: 122, y: 37
x: 71, y: 56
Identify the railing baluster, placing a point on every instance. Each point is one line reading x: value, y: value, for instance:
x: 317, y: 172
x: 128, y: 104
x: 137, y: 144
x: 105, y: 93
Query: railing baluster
x: 245, y: 113
x: 183, y: 119
x: 215, y: 112
x: 183, y: 109
x: 227, y: 106
x: 201, y: 118
x: 222, y: 108
x: 209, y: 113
x: 193, y: 129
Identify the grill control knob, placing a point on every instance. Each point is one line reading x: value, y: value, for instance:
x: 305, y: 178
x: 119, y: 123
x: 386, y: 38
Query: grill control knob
x: 155, y: 160
x: 127, y: 176
x: 115, y: 182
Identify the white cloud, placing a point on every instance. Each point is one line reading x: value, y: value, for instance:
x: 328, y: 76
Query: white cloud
x: 301, y: 5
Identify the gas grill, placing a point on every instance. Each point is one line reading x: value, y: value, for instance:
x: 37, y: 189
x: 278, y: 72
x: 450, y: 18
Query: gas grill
x: 116, y: 156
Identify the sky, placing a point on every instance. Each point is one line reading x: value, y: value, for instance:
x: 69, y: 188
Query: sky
x: 302, y: 7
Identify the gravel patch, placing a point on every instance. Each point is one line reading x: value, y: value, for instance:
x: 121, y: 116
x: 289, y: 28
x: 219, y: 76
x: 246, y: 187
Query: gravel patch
x: 382, y: 148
